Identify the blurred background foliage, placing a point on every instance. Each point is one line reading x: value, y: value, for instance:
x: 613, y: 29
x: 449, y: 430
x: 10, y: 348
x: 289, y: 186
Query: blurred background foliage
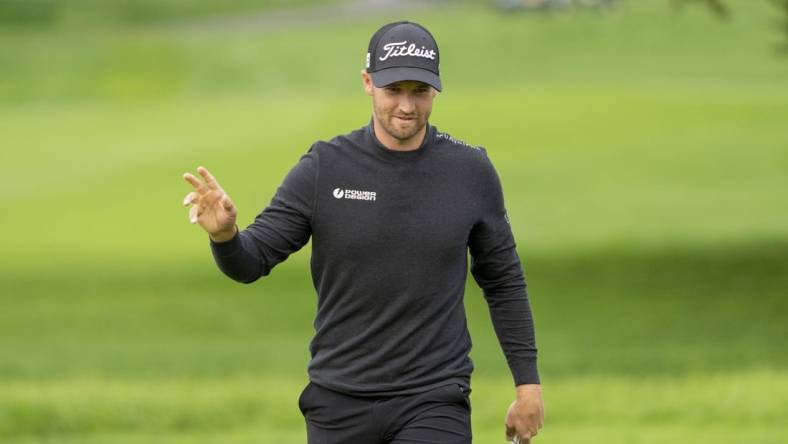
x: 642, y: 146
x: 48, y: 13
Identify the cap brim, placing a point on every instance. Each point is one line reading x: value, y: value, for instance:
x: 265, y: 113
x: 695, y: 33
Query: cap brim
x: 390, y: 75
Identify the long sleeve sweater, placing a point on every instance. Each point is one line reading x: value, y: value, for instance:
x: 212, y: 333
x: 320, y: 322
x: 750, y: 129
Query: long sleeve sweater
x: 391, y: 232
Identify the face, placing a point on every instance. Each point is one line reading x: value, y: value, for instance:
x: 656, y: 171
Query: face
x: 402, y: 108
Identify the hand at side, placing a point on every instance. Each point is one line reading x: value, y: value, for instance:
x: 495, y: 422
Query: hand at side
x: 525, y: 415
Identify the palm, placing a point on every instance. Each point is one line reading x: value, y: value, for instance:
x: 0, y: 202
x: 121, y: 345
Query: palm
x: 212, y: 208
x: 214, y: 217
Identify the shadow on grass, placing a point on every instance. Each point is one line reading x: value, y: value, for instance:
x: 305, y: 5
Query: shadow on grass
x: 668, y: 312
x: 630, y: 313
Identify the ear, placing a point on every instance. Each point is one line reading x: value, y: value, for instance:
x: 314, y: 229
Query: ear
x: 367, y: 80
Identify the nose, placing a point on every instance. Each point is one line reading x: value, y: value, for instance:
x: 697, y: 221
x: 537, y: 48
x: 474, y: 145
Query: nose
x: 407, y: 104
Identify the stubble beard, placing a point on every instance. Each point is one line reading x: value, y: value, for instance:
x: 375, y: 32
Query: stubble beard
x: 404, y: 134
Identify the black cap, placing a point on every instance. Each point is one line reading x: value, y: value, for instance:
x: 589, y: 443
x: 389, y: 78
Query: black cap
x: 403, y: 51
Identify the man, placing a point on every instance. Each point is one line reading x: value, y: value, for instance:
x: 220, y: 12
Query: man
x: 392, y: 209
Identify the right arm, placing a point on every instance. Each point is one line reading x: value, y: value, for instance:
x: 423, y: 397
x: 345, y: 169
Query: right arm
x: 282, y: 228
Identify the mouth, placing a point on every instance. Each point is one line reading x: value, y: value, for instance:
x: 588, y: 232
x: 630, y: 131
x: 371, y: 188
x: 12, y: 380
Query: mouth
x: 405, y: 118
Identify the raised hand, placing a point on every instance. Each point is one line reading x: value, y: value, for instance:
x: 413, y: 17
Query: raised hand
x: 211, y: 206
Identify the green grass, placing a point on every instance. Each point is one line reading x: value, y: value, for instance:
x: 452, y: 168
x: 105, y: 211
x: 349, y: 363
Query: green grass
x: 643, y: 157
x: 726, y: 408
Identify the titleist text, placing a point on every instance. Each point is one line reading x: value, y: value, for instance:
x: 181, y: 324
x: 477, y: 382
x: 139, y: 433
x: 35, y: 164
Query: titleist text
x: 400, y: 49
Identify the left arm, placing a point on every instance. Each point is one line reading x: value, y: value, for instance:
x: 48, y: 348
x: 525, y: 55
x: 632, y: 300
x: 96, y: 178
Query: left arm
x: 496, y: 267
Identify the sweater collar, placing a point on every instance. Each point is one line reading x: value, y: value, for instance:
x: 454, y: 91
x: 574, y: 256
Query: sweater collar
x: 394, y: 154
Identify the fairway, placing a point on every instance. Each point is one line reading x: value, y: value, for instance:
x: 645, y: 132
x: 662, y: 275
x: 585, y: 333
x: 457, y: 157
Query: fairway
x: 644, y: 160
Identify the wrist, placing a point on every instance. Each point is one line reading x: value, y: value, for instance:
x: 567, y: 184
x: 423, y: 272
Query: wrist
x: 528, y: 390
x: 224, y: 236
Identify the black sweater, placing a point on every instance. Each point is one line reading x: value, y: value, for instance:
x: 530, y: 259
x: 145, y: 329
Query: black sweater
x: 390, y: 235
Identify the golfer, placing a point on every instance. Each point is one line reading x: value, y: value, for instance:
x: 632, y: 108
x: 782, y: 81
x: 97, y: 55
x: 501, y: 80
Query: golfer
x: 393, y: 209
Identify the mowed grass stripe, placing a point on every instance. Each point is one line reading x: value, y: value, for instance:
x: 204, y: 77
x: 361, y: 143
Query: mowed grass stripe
x: 706, y: 406
x: 638, y: 168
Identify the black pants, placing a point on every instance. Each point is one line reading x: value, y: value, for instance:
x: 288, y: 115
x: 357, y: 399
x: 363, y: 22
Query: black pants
x: 440, y: 416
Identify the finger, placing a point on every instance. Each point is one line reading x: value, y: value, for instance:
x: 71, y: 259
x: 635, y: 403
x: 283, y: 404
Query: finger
x: 227, y: 203
x: 189, y: 199
x: 193, y: 214
x: 193, y: 180
x: 209, y: 179
x: 208, y: 200
x: 509, y: 433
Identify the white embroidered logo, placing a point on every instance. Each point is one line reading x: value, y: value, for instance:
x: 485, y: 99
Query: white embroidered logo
x: 401, y: 49
x: 339, y: 193
x: 457, y: 141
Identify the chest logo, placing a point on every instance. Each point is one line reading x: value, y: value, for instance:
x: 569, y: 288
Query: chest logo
x: 340, y: 193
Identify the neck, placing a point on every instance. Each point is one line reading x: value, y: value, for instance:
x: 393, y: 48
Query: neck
x: 395, y: 144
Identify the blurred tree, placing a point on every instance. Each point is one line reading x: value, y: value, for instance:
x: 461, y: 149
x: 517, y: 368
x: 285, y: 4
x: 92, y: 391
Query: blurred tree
x: 551, y: 5
x: 26, y: 12
x: 716, y: 6
x: 783, y: 6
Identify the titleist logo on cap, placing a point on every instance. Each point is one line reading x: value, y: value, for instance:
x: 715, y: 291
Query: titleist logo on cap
x: 401, y: 49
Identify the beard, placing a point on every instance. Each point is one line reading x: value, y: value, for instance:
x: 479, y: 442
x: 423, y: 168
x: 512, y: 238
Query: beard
x: 399, y: 129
